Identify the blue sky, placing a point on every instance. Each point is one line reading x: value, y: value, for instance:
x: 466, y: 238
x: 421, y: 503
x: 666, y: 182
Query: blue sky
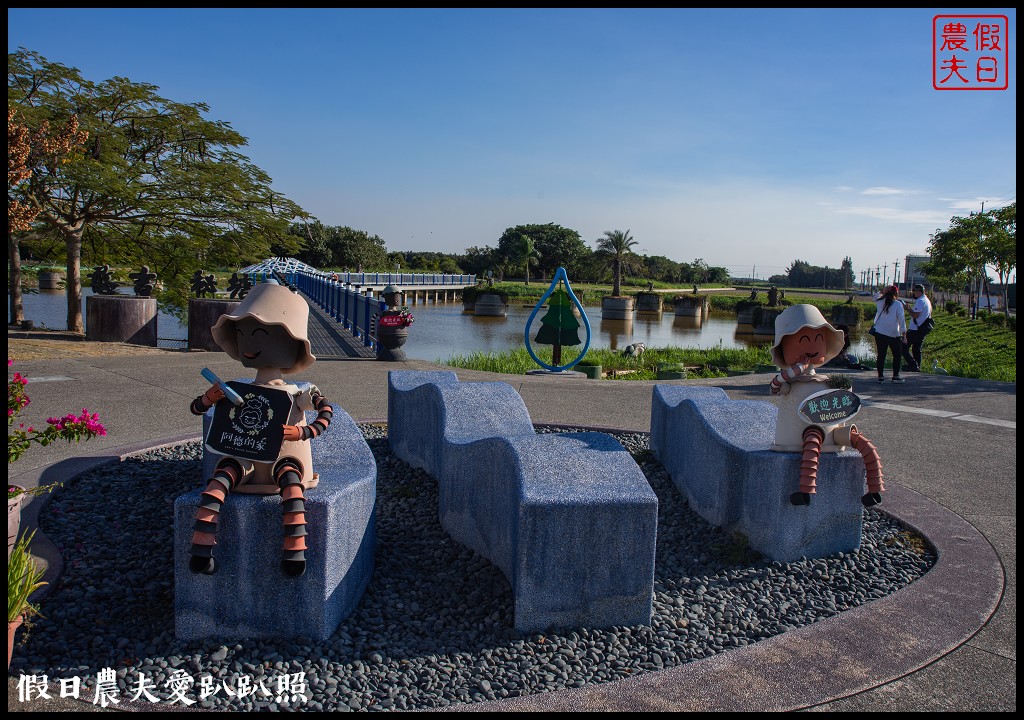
x: 748, y: 138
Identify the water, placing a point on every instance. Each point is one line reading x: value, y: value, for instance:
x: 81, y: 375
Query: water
x: 48, y: 309
x: 445, y: 329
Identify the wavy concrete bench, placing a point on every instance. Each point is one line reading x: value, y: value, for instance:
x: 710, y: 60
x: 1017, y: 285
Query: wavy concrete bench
x: 568, y: 517
x: 717, y: 452
x: 248, y: 596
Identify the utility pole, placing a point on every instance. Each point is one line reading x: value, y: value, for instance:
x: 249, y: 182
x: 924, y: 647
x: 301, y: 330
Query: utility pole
x: 878, y: 273
x: 896, y: 274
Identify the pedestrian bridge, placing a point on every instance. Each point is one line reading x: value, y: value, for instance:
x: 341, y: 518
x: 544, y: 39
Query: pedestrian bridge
x: 344, y: 307
x: 439, y: 287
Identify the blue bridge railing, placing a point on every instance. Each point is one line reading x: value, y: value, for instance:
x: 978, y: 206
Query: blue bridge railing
x: 349, y: 297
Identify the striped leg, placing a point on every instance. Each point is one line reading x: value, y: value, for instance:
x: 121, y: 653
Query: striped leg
x: 288, y: 475
x: 204, y: 535
x: 813, y: 438
x: 872, y: 467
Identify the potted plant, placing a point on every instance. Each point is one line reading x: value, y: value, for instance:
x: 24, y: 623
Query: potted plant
x: 17, y: 496
x: 23, y: 579
x: 491, y: 301
x: 392, y: 332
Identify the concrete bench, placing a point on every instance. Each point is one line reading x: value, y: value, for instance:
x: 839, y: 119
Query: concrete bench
x: 717, y: 452
x: 569, y: 518
x: 249, y: 596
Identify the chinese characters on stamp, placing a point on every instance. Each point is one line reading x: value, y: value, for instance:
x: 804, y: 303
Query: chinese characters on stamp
x: 970, y: 52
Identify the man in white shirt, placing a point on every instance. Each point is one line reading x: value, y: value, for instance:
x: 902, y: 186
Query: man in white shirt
x: 920, y: 325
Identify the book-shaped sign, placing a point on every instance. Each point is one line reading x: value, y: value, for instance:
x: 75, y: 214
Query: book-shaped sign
x: 829, y: 407
x: 253, y: 430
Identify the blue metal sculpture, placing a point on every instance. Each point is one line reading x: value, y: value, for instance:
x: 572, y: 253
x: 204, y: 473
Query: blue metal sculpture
x: 556, y: 329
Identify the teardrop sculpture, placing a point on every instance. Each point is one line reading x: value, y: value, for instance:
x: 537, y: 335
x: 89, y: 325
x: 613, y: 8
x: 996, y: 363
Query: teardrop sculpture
x: 560, y: 327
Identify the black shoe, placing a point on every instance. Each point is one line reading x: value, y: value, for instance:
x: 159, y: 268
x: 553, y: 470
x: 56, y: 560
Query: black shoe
x: 913, y: 368
x: 800, y: 498
x: 202, y: 565
x: 871, y: 499
x: 293, y: 568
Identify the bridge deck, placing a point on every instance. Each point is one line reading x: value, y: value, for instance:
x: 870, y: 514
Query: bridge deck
x: 329, y: 340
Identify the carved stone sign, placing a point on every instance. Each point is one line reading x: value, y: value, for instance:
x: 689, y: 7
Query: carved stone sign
x: 829, y: 407
x: 253, y: 430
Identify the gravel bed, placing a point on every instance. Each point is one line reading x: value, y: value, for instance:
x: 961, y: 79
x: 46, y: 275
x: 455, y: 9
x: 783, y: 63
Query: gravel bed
x: 435, y: 625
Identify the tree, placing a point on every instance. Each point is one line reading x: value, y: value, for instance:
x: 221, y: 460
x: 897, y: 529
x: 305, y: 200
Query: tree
x: 159, y: 185
x: 698, y: 271
x: 315, y: 251
x: 477, y: 261
x: 341, y: 247
x: 1000, y: 247
x: 717, y: 274
x: 957, y: 255
x: 559, y: 325
x: 846, y: 276
x: 614, y: 247
x: 661, y: 268
x: 27, y: 153
x: 555, y: 246
x: 518, y: 251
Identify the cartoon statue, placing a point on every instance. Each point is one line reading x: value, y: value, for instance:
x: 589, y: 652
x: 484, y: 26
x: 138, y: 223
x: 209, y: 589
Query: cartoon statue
x: 805, y: 340
x: 268, y: 333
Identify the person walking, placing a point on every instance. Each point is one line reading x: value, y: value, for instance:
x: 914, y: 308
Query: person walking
x: 890, y: 330
x: 920, y: 325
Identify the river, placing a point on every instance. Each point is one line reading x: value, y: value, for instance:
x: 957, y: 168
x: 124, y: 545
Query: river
x: 441, y: 330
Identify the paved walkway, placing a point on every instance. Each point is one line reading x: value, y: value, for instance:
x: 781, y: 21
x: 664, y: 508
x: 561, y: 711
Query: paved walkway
x: 947, y: 642
x: 329, y: 339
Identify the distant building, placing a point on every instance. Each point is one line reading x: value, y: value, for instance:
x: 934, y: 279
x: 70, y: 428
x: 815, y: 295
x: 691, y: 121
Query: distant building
x: 912, y: 270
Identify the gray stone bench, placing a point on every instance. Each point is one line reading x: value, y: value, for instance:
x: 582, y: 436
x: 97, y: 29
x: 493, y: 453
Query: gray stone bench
x: 568, y: 517
x: 249, y: 596
x: 717, y: 452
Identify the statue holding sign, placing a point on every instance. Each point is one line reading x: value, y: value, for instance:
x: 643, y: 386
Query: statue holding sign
x: 813, y: 418
x: 260, y: 428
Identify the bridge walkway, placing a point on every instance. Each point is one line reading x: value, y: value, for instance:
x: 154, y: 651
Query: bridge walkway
x: 329, y: 340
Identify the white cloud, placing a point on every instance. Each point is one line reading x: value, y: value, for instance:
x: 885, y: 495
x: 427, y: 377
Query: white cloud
x: 896, y: 214
x: 882, y: 190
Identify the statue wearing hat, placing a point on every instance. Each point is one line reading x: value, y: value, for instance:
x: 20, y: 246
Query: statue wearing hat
x: 804, y: 340
x: 268, y: 333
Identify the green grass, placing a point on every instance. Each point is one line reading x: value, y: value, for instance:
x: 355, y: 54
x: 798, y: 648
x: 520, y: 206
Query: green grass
x: 709, y: 363
x: 971, y: 349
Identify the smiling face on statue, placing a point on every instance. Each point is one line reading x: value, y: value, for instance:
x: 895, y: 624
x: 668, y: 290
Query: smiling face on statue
x: 261, y: 346
x: 806, y: 345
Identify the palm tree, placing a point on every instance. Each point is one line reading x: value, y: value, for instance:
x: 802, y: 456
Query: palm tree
x: 615, y: 246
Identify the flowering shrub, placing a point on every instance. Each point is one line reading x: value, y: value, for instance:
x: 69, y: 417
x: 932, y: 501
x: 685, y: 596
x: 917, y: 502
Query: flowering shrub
x: 71, y: 427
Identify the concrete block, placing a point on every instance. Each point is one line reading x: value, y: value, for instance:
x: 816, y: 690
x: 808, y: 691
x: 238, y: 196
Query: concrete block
x: 568, y: 517
x: 717, y: 452
x: 248, y: 596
